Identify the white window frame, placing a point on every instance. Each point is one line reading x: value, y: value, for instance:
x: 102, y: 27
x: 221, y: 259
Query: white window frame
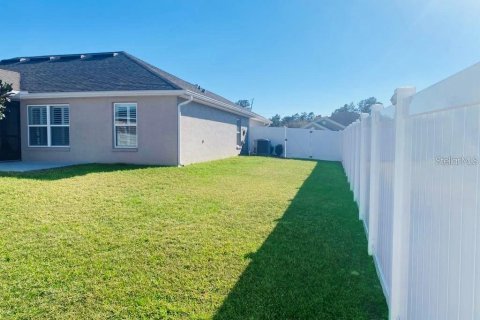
x: 115, y: 125
x: 48, y: 125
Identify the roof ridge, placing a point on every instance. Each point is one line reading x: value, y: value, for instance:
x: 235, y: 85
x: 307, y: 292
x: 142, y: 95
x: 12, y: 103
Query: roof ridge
x: 333, y: 121
x: 149, y: 68
x: 183, y: 83
x: 62, y: 55
x: 166, y: 76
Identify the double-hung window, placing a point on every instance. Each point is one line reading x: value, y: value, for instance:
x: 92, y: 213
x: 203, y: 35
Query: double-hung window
x: 49, y: 126
x: 125, y: 125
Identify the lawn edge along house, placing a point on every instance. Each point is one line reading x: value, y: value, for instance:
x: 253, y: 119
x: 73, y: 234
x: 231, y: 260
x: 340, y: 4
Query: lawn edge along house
x: 115, y: 108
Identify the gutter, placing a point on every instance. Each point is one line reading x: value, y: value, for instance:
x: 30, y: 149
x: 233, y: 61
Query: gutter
x: 179, y: 129
x: 96, y: 94
x: 13, y: 95
x: 264, y: 122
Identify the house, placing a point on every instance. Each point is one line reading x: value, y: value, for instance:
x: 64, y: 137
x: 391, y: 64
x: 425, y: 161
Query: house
x: 345, y: 117
x: 115, y: 108
x: 324, y: 123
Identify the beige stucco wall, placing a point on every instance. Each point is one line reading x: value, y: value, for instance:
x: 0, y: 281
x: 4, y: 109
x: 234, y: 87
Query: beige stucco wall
x: 91, y: 132
x: 208, y: 133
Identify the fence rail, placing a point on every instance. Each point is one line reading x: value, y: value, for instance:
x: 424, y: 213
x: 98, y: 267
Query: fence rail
x: 414, y: 171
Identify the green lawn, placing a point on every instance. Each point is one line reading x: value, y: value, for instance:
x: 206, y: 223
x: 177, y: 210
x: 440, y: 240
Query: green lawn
x: 243, y: 238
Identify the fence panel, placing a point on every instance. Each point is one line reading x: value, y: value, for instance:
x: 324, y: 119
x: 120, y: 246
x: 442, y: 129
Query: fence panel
x: 301, y: 143
x: 385, y: 200
x: 421, y: 206
x: 444, y: 214
x: 326, y: 145
x: 275, y: 134
x: 365, y: 170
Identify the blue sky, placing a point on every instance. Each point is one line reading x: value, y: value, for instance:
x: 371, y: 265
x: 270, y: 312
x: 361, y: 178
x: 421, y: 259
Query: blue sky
x: 291, y: 56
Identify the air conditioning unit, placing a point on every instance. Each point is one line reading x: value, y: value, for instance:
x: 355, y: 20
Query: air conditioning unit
x: 263, y: 147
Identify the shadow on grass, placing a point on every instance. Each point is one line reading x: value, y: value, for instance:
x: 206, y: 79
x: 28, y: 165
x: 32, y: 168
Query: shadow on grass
x: 72, y: 171
x: 314, y: 264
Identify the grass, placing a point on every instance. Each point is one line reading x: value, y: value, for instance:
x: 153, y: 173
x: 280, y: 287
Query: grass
x: 243, y: 238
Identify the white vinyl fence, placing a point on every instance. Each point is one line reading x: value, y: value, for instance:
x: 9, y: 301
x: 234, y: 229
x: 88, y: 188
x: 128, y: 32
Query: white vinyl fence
x: 301, y: 143
x: 414, y: 170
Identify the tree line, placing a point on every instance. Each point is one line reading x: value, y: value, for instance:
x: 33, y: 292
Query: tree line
x: 299, y: 120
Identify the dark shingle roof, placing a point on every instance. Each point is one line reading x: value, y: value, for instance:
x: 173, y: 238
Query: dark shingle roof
x: 325, y: 122
x: 182, y: 83
x: 329, y: 125
x: 95, y: 72
x: 106, y: 71
x: 345, y: 117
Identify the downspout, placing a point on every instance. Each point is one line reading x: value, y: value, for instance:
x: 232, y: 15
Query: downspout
x: 179, y: 128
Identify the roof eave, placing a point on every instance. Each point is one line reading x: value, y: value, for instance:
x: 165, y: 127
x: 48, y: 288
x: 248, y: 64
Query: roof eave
x: 316, y: 125
x: 23, y: 95
x: 224, y: 106
x: 341, y: 126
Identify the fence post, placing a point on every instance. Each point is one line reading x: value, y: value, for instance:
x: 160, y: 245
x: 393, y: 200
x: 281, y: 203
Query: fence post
x: 374, y: 179
x: 401, y: 209
x: 363, y: 167
x: 358, y: 141
x: 352, y: 154
x: 353, y: 186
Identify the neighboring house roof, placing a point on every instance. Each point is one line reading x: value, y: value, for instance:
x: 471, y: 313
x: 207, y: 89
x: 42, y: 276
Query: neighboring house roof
x: 316, y: 126
x: 345, y: 117
x: 103, y: 72
x: 325, y: 123
x: 11, y: 77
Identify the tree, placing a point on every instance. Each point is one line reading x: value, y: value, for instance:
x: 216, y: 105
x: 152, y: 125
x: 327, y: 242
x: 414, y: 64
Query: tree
x: 351, y: 112
x: 5, y: 93
x: 365, y: 106
x: 276, y: 121
x: 346, y: 108
x: 311, y: 116
x: 296, y: 120
x: 244, y: 104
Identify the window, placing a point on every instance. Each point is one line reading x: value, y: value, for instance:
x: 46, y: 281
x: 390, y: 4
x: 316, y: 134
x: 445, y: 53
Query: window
x: 49, y: 126
x: 239, y: 132
x: 59, y: 126
x: 125, y: 125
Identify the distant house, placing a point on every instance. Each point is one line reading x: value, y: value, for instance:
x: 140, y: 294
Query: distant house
x: 324, y: 123
x: 345, y: 117
x: 113, y: 107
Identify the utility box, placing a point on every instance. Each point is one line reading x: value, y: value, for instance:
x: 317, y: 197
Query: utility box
x: 263, y: 147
